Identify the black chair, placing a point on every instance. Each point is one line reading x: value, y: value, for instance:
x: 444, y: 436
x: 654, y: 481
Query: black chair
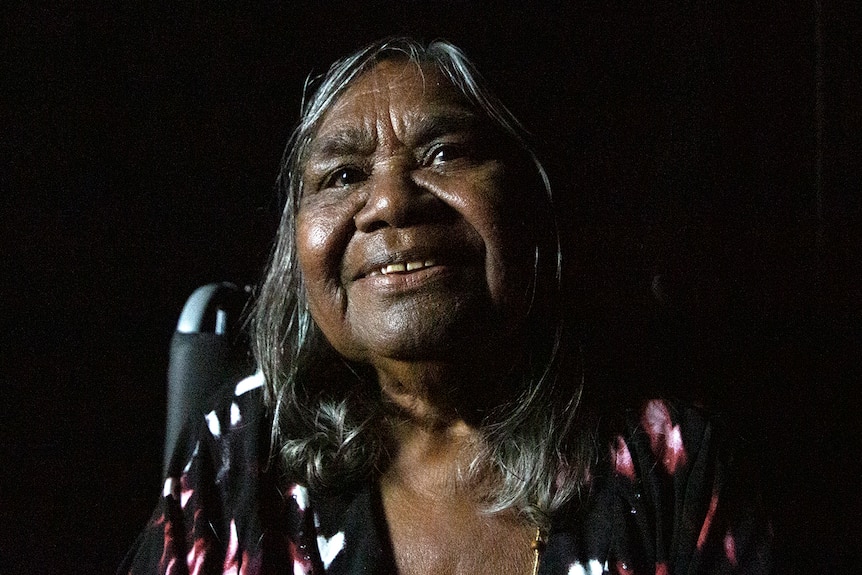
x: 209, y: 355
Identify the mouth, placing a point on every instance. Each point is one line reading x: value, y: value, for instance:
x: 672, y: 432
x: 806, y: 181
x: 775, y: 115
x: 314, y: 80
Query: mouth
x: 401, y: 267
x: 409, y: 256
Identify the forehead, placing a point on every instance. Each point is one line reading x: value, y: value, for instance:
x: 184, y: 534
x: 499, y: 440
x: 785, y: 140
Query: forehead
x: 398, y: 89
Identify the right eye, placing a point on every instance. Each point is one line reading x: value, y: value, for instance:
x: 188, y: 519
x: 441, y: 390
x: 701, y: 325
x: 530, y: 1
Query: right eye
x: 344, y: 176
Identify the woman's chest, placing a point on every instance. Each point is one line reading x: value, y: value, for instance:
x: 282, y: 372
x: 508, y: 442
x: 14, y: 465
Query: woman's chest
x: 357, y: 535
x: 447, y: 541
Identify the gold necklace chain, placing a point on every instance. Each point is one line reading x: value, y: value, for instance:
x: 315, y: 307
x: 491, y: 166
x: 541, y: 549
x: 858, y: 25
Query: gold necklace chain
x: 538, y: 547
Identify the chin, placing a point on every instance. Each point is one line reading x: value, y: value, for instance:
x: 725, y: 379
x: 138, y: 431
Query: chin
x: 415, y: 344
x: 442, y: 339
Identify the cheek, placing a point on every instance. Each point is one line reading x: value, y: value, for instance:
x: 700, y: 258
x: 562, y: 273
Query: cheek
x: 322, y: 235
x: 313, y: 242
x: 509, y: 246
x: 319, y: 247
x: 510, y: 263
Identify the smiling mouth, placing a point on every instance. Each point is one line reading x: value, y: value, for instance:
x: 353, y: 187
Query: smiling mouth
x: 401, y: 267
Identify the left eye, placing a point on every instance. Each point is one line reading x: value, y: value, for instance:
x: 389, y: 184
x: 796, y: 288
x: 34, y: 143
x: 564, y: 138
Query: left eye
x: 445, y: 153
x: 344, y: 177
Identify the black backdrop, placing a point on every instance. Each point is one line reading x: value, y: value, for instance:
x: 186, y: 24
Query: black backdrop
x: 707, y: 166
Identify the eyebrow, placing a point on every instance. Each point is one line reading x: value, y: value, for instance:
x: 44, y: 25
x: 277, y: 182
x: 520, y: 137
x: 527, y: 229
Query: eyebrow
x: 448, y: 121
x: 351, y: 140
x: 344, y: 141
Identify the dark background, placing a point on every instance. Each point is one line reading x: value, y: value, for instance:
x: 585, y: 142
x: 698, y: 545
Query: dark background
x: 707, y: 166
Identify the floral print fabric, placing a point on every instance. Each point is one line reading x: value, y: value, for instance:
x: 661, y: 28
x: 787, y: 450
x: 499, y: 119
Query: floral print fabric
x: 664, y: 501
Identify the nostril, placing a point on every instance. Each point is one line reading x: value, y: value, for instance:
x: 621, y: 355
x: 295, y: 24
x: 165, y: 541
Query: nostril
x: 390, y: 203
x: 397, y: 201
x: 373, y: 226
x: 377, y: 212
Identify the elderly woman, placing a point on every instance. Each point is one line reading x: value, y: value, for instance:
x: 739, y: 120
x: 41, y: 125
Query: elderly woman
x: 413, y: 412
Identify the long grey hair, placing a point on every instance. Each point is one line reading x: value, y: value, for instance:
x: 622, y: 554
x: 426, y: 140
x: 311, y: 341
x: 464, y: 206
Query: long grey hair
x: 329, y: 426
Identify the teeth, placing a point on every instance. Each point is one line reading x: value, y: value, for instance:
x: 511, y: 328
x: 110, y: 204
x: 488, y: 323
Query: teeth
x: 415, y: 266
x: 392, y: 268
x: 409, y: 266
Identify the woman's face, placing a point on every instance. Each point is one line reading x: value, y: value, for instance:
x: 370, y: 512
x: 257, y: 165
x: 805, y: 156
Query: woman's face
x: 409, y: 234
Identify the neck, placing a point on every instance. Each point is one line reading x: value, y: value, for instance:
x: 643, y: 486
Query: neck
x: 439, y: 407
x: 436, y: 463
x: 435, y: 393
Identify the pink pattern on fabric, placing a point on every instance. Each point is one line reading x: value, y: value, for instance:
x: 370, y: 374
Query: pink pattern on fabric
x: 184, y: 491
x: 231, y: 563
x: 665, y: 437
x: 172, y: 488
x: 185, y: 496
x: 168, y: 560
x: 234, y: 563
x: 197, y: 555
x: 623, y: 463
x: 661, y: 569
x: 200, y: 548
x: 707, y: 522
x: 301, y: 563
x: 730, y: 549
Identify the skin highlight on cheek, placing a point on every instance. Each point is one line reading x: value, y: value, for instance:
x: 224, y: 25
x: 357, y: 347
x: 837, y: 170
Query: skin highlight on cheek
x: 317, y: 237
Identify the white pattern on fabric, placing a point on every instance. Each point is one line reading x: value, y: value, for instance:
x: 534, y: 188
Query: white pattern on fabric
x: 300, y: 495
x: 330, y: 548
x: 172, y: 487
x: 235, y: 415
x: 249, y: 383
x: 593, y: 567
x: 192, y: 458
x: 214, y: 424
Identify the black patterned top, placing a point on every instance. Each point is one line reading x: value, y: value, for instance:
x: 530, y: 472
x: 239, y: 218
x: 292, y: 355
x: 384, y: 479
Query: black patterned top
x: 664, y: 501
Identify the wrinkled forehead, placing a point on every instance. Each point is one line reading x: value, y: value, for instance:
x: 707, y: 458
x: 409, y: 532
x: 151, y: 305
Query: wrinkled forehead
x: 398, y: 89
x: 398, y: 81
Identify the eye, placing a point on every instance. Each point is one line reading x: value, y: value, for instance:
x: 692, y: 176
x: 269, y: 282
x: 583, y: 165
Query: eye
x: 443, y: 153
x: 344, y: 176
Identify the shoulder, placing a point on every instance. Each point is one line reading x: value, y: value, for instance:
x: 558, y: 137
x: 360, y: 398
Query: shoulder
x: 667, y: 437
x: 682, y: 488
x: 210, y: 513
x: 241, y: 415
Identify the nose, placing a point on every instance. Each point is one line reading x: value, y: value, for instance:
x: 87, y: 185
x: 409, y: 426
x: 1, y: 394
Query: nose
x: 394, y: 200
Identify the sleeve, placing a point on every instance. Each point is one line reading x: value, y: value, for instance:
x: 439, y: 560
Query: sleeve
x: 183, y: 535
x: 208, y: 516
x: 693, y: 507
